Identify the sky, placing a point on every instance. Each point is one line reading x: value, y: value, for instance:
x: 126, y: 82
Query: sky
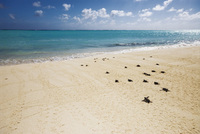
x: 100, y: 14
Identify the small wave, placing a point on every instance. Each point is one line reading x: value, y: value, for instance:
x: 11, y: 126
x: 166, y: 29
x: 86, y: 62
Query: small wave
x: 136, y: 44
x: 47, y: 59
x: 147, y: 48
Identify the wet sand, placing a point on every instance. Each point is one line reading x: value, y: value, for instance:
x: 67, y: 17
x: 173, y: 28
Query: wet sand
x: 104, y: 94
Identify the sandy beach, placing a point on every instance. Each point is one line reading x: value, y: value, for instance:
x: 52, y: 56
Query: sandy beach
x: 82, y: 96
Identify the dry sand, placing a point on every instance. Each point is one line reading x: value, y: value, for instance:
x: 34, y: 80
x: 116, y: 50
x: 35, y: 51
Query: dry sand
x: 65, y: 97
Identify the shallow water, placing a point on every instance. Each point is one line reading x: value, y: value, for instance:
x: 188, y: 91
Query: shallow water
x: 25, y: 46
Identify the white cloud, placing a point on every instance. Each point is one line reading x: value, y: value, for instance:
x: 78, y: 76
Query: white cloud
x: 93, y: 14
x: 103, y: 22
x: 102, y: 13
x: 66, y: 6
x: 175, y: 10
x: 165, y: 4
x: 50, y: 7
x: 37, y: 4
x: 89, y: 14
x: 186, y: 16
x: 172, y: 10
x: 12, y: 16
x: 158, y: 8
x: 38, y: 13
x: 145, y: 13
x: 180, y: 10
x: 77, y: 19
x: 64, y: 17
x: 120, y: 13
x: 144, y: 19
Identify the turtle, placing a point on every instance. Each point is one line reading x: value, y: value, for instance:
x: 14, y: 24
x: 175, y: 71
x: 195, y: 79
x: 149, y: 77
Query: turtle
x: 147, y: 100
x: 129, y: 80
x: 165, y: 89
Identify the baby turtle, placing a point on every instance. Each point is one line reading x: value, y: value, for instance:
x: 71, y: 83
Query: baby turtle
x: 165, y: 89
x: 157, y: 64
x: 107, y: 72
x: 86, y: 65
x: 156, y: 83
x: 138, y: 65
x: 81, y: 65
x: 150, y: 56
x: 162, y: 72
x: 153, y: 71
x: 147, y: 74
x: 145, y: 81
x: 143, y: 58
x: 116, y: 81
x: 129, y: 80
x: 125, y: 67
x: 147, y: 100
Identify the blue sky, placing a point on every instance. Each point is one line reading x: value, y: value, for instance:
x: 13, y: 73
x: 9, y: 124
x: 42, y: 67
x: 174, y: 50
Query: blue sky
x: 100, y: 14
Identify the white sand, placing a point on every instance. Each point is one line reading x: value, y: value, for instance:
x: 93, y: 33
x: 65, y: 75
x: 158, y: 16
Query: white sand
x: 65, y: 97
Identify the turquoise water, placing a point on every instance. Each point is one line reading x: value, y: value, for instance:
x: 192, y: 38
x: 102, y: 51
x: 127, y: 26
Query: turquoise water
x: 18, y: 46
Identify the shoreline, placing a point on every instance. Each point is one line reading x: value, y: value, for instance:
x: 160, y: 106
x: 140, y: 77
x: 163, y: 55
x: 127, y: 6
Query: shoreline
x: 79, y: 96
x: 10, y: 62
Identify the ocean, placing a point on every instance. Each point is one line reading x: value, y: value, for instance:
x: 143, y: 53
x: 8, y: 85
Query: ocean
x: 31, y: 46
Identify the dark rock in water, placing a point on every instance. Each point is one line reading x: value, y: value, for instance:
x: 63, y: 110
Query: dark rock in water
x: 145, y: 81
x: 129, y: 80
x: 125, y: 67
x: 147, y: 100
x: 153, y: 71
x: 156, y: 83
x: 138, y: 65
x: 107, y: 72
x: 147, y: 74
x: 116, y: 81
x: 165, y: 89
x: 162, y: 72
x: 157, y: 64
